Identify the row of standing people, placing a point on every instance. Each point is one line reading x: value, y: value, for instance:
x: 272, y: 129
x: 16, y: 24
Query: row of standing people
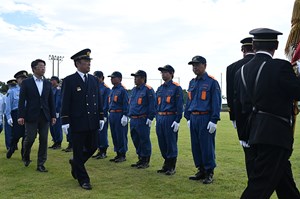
x: 83, y: 114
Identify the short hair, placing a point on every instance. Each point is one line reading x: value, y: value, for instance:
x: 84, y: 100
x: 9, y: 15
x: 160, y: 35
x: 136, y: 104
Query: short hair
x: 36, y: 62
x: 265, y: 45
x: 247, y: 48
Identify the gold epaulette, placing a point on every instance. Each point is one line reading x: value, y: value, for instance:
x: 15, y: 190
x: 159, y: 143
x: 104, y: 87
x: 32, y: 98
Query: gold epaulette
x: 106, y: 85
x: 211, y: 77
x: 123, y: 86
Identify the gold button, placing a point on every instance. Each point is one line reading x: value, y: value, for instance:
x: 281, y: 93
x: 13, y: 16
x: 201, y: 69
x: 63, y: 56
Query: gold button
x: 87, y: 104
x: 88, y: 112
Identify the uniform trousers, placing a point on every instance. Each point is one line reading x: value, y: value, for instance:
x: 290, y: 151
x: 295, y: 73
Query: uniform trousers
x: 272, y: 172
x: 167, y: 138
x: 140, y: 134
x: 84, y: 146
x: 203, y: 142
x: 7, y: 132
x: 118, y: 133
x: 103, y: 137
x: 56, y: 131
x: 18, y: 131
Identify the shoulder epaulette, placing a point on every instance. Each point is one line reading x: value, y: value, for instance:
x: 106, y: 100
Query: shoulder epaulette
x: 106, y: 86
x: 175, y: 83
x: 211, y: 77
x: 149, y: 87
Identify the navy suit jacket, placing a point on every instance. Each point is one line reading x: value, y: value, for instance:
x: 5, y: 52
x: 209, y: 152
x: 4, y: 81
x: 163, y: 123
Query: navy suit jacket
x: 31, y: 103
x: 81, y: 104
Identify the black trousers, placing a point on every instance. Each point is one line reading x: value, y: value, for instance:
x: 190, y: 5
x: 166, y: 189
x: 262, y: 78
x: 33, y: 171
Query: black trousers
x: 41, y: 126
x: 84, y: 146
x: 249, y: 160
x: 18, y: 131
x: 271, y: 172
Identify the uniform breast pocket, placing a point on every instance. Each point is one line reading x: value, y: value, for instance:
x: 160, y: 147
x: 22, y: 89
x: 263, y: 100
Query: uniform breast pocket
x: 204, y: 94
x: 191, y: 93
x: 16, y: 95
x: 169, y: 96
x: 140, y: 99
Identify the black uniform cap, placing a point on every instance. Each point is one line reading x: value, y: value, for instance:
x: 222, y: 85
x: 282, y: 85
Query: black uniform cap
x: 22, y: 73
x: 140, y: 73
x: 264, y: 34
x: 83, y: 54
x: 168, y: 68
x: 98, y: 74
x: 247, y: 41
x: 12, y: 81
x: 197, y: 59
x: 116, y: 74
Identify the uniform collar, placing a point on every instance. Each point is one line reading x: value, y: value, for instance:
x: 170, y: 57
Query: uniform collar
x: 264, y: 52
x: 204, y: 76
x: 37, y: 79
x: 82, y: 74
x: 141, y: 86
x: 168, y: 83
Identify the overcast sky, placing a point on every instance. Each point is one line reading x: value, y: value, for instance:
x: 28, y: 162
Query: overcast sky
x: 128, y: 35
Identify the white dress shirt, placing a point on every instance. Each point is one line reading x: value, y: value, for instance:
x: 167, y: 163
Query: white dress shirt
x: 39, y: 83
x: 82, y: 75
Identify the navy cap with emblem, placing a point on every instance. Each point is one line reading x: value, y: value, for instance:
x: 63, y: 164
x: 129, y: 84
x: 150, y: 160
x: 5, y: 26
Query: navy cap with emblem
x: 11, y: 82
x: 98, y: 74
x: 22, y: 73
x: 168, y: 68
x: 55, y: 78
x: 264, y: 34
x: 140, y: 73
x: 247, y: 41
x: 116, y: 74
x: 83, y: 54
x: 197, y: 59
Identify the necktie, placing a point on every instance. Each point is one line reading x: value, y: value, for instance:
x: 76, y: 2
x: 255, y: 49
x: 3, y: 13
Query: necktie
x: 85, y: 80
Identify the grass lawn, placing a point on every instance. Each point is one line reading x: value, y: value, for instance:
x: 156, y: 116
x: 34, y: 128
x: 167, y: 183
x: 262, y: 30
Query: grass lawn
x: 111, y: 180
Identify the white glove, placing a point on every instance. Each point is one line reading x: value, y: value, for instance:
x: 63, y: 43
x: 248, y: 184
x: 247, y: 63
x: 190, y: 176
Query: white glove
x: 212, y: 127
x: 176, y: 126
x: 189, y: 124
x: 101, y: 122
x: 234, y: 123
x: 65, y: 128
x: 244, y: 144
x: 149, y: 122
x: 57, y: 115
x: 124, y: 120
x: 105, y: 119
x: 10, y: 122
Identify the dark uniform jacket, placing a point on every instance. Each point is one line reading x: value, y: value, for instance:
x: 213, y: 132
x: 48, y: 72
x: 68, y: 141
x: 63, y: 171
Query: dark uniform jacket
x: 31, y: 103
x: 81, y: 104
x: 230, y: 74
x: 272, y: 99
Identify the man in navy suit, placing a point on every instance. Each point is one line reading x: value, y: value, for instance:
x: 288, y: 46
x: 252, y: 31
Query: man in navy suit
x: 82, y: 112
x: 36, y: 111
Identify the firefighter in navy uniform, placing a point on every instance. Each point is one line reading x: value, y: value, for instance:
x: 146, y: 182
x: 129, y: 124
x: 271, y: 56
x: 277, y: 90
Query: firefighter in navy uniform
x: 118, y: 117
x: 270, y: 86
x: 103, y: 138
x: 169, y: 113
x: 239, y: 118
x: 202, y: 112
x: 82, y: 112
x: 141, y: 113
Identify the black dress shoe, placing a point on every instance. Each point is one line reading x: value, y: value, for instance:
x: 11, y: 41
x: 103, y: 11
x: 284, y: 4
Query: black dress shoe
x: 86, y: 186
x: 26, y: 162
x: 74, y: 175
x: 41, y: 169
x: 120, y: 159
x: 170, y: 172
x: 136, y: 164
x: 51, y: 147
x: 101, y: 156
x: 162, y: 170
x: 208, y: 178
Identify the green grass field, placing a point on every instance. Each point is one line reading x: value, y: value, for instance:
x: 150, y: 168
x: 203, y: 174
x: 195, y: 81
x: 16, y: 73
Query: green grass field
x: 111, y: 180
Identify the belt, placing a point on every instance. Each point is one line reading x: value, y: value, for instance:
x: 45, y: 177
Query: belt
x: 166, y: 113
x: 200, y: 112
x: 115, y: 111
x: 138, y: 116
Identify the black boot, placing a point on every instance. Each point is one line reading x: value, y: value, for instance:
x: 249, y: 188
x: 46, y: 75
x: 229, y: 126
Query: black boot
x: 116, y: 157
x: 171, y: 167
x: 52, y: 146
x: 11, y: 150
x: 164, y: 167
x: 121, y: 158
x: 57, y: 145
x: 200, y: 175
x: 102, y: 154
x: 137, y: 163
x: 145, y: 163
x: 208, y: 177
